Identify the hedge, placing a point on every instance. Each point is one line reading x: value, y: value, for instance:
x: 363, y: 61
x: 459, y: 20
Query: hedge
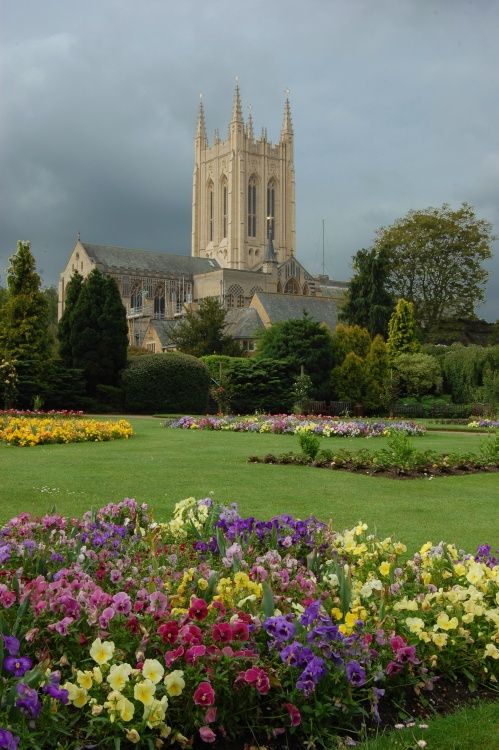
x: 170, y: 382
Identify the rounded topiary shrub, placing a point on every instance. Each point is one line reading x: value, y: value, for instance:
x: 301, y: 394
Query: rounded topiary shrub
x: 171, y: 383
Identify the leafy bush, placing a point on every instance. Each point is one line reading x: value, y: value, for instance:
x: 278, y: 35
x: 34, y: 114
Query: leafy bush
x: 166, y: 382
x: 309, y: 443
x: 262, y: 385
x: 418, y: 374
x: 463, y: 369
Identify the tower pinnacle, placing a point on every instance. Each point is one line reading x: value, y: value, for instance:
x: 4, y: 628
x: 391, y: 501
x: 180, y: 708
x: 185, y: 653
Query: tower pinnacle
x: 237, y: 112
x: 287, y: 125
x: 201, y: 128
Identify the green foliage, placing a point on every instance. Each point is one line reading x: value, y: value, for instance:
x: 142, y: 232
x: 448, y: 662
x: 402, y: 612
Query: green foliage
x: 172, y: 382
x: 400, y: 450
x: 402, y: 330
x: 348, y: 339
x: 73, y: 291
x: 464, y: 368
x: 218, y: 364
x: 309, y: 443
x: 98, y: 331
x: 303, y: 343
x: 24, y: 325
x: 369, y: 304
x: 436, y: 258
x: 201, y: 332
x: 262, y: 385
x: 350, y: 380
x: 378, y: 370
x: 300, y: 392
x: 418, y: 374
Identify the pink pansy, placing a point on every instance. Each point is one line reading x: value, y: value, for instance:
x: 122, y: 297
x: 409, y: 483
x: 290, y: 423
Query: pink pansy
x: 294, y: 714
x: 204, y: 694
x: 210, y: 715
x: 222, y: 631
x: 190, y: 634
x: 195, y: 652
x: 240, y: 630
x: 7, y: 597
x: 207, y: 734
x: 172, y: 656
x: 198, y: 609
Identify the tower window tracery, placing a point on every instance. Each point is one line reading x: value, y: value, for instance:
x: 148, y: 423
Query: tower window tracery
x: 211, y: 212
x: 225, y: 197
x: 271, y: 208
x: 252, y: 207
x: 234, y: 296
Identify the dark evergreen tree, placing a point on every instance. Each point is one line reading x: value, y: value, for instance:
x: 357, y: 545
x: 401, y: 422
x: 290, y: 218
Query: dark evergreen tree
x: 369, y: 304
x: 301, y: 342
x: 73, y: 290
x: 98, y: 337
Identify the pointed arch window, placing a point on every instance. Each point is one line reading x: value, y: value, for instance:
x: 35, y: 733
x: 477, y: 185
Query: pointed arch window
x: 136, y: 297
x: 225, y: 208
x: 211, y: 212
x: 271, y: 208
x: 252, y: 207
x: 292, y: 287
x: 235, y: 296
x: 159, y: 301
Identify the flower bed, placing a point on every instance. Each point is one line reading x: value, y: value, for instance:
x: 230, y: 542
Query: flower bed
x: 399, y: 459
x: 293, y: 425
x: 31, y: 431
x: 54, y: 413
x: 118, y: 631
x: 492, y: 424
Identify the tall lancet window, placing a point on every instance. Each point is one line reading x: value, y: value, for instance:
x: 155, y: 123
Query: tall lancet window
x: 225, y: 205
x: 271, y: 208
x: 211, y: 213
x: 252, y: 207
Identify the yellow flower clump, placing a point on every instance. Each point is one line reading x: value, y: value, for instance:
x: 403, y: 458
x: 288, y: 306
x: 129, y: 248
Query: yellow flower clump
x: 27, y: 432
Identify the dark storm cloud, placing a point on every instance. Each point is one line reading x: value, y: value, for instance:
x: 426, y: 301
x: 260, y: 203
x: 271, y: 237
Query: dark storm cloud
x: 395, y: 106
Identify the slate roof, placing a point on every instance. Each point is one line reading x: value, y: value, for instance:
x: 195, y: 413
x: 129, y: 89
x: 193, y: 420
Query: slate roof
x: 130, y: 261
x: 241, y: 323
x: 280, y: 307
x: 163, y: 329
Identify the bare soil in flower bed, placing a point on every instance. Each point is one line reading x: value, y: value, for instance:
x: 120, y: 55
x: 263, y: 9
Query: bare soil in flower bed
x: 446, y: 698
x: 389, y: 473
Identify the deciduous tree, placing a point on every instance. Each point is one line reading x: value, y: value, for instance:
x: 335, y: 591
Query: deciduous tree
x: 436, y: 260
x: 201, y: 331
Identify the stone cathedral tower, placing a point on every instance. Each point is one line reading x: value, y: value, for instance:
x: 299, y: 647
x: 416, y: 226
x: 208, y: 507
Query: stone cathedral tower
x: 243, y: 193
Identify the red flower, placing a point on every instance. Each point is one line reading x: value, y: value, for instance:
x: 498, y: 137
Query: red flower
x: 294, y: 714
x: 222, y: 631
x: 198, y: 609
x: 257, y: 677
x: 204, y: 695
x: 172, y: 656
x: 240, y: 631
x: 194, y: 652
x: 168, y: 632
x: 190, y: 634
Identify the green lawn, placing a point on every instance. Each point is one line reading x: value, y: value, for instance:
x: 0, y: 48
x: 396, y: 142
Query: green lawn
x: 161, y: 466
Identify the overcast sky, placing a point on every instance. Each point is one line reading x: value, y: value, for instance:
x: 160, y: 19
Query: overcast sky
x: 395, y: 106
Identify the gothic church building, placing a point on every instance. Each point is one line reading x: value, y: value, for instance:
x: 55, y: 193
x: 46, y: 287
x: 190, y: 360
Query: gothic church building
x: 243, y: 244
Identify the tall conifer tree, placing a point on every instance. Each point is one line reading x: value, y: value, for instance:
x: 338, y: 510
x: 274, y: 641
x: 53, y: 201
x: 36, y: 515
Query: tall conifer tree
x: 402, y: 330
x: 73, y: 290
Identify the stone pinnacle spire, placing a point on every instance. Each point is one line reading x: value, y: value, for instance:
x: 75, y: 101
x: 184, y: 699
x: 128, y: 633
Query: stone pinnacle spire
x: 201, y: 129
x: 249, y: 125
x: 287, y: 125
x: 237, y: 112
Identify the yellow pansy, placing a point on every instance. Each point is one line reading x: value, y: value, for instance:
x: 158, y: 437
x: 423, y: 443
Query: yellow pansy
x: 144, y: 692
x: 446, y: 623
x: 337, y: 613
x: 78, y: 696
x: 84, y: 679
x: 133, y: 736
x: 153, y: 670
x: 155, y: 712
x: 126, y: 709
x: 174, y: 682
x: 118, y: 676
x: 439, y: 639
x: 384, y: 568
x: 491, y: 651
x: 415, y: 624
x: 101, y: 651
